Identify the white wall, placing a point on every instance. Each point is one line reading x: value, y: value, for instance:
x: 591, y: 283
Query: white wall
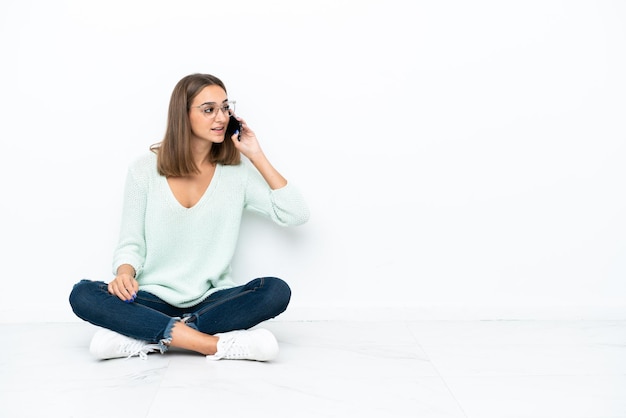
x: 461, y: 159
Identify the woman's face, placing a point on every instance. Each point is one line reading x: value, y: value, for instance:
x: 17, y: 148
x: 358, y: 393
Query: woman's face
x: 207, y: 125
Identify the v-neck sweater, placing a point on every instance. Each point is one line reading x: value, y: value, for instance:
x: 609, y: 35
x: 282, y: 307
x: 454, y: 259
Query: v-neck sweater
x: 182, y: 255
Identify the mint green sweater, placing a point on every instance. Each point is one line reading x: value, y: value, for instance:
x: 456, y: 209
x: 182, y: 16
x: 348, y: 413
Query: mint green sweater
x: 182, y: 255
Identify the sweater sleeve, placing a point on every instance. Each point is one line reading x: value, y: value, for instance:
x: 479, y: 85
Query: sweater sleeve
x: 285, y: 206
x: 131, y: 247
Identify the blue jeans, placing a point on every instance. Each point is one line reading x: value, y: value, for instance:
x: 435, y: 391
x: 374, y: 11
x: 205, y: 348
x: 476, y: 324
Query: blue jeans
x: 151, y: 319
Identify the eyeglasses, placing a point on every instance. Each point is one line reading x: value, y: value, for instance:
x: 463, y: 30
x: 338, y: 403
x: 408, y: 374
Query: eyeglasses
x: 211, y: 110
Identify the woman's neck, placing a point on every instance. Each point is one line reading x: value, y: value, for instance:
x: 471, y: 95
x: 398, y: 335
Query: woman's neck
x: 200, y: 151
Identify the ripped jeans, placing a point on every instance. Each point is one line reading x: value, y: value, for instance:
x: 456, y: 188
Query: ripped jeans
x: 151, y: 319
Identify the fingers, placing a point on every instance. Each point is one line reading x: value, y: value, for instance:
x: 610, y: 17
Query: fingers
x: 124, y: 287
x: 235, y: 137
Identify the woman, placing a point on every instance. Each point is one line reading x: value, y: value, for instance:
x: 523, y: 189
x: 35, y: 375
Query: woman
x: 182, y: 211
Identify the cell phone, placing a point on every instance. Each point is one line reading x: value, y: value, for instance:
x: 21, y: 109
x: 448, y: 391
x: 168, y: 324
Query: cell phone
x: 233, y: 125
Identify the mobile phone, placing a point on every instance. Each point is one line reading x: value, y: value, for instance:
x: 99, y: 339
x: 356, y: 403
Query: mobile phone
x: 233, y: 125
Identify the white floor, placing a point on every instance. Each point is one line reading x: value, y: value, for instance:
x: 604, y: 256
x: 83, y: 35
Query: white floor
x: 466, y: 369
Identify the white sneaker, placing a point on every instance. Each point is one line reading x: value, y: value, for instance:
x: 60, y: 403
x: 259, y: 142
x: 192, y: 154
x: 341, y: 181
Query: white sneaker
x: 107, y: 344
x: 258, y: 344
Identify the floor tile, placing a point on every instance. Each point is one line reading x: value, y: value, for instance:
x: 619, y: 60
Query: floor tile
x: 518, y: 332
x: 242, y: 389
x: 528, y: 360
x: 459, y: 369
x: 541, y: 396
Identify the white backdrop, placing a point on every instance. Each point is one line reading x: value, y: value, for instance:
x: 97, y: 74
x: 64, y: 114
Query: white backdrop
x: 461, y: 159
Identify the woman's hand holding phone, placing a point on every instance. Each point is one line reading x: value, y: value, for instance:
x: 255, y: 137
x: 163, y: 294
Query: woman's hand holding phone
x: 244, y: 139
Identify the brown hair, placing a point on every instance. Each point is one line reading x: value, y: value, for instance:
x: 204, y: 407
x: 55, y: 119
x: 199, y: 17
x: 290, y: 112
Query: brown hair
x: 174, y: 158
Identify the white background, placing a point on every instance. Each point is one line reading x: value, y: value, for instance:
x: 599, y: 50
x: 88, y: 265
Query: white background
x: 461, y: 159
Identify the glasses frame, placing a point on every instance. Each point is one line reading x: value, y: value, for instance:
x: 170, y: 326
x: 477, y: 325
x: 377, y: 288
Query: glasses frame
x: 227, y: 112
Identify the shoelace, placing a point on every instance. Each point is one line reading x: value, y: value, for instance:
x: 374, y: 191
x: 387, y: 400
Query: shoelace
x: 138, y: 348
x: 234, y: 351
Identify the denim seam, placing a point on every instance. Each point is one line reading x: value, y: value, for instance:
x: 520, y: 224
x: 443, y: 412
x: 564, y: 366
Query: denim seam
x: 228, y: 299
x: 151, y: 300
